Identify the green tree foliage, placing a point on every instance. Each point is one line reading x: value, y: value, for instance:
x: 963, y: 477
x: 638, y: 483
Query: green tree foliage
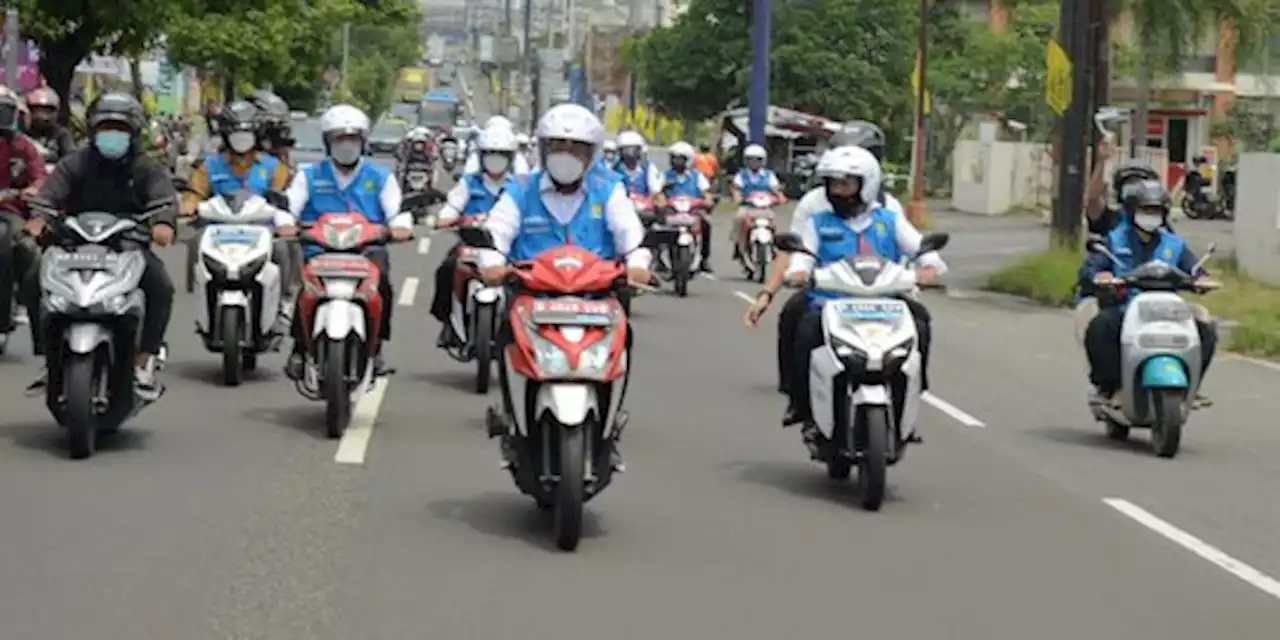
x: 382, y: 42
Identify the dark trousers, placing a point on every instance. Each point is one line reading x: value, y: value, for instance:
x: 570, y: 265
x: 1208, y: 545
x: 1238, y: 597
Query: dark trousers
x: 155, y: 285
x: 706, y: 239
x: 442, y: 300
x: 808, y: 336
x: 1102, y: 344
x: 383, y: 260
x: 788, y: 321
x: 18, y: 254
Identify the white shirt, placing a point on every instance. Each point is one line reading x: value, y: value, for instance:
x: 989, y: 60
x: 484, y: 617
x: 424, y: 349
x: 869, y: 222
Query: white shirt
x: 815, y: 202
x: 520, y: 164
x: 390, y: 197
x: 458, y: 197
x: 620, y: 215
x: 741, y: 183
x: 704, y: 185
x: 653, y: 179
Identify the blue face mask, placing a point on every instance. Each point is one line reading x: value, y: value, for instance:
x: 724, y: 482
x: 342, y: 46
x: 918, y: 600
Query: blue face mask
x: 112, y: 144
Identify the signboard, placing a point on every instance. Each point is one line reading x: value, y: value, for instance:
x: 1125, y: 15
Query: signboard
x: 1057, y: 82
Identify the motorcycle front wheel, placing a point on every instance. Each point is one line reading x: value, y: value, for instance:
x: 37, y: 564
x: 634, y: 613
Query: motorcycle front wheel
x: 483, y: 342
x: 337, y: 398
x: 570, y: 489
x: 80, y: 384
x: 873, y: 457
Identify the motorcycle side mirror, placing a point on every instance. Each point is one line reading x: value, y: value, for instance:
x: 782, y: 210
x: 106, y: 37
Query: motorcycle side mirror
x: 477, y: 237
x: 278, y: 200
x: 654, y: 238
x: 1213, y: 246
x: 933, y: 242
x: 181, y: 184
x: 790, y: 243
x: 413, y: 202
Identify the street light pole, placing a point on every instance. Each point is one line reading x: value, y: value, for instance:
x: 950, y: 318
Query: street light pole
x: 761, y: 25
x: 1074, y: 37
x: 916, y: 209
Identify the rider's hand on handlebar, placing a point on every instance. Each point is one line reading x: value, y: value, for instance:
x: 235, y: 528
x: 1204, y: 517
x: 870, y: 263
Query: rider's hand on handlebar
x: 926, y: 276
x: 34, y: 227
x: 287, y: 231
x: 493, y: 275
x: 638, y: 276
x: 401, y: 234
x: 1206, y: 284
x: 1104, y: 279
x: 162, y: 234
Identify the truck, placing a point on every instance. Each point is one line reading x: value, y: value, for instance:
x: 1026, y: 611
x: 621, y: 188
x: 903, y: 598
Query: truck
x: 412, y: 83
x: 439, y: 109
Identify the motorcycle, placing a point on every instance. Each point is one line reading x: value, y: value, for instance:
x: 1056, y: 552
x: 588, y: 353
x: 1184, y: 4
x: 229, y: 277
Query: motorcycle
x: 475, y: 312
x: 237, y: 282
x: 685, y: 219
x: 91, y: 310
x: 568, y: 340
x: 866, y: 376
x: 417, y: 179
x: 1159, y: 353
x: 449, y: 155
x: 754, y: 237
x: 1200, y: 202
x: 341, y: 312
x: 644, y: 209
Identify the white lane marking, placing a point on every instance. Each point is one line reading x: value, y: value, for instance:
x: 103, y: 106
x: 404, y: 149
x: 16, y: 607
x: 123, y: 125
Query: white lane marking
x: 355, y: 440
x: 950, y: 409
x: 1235, y: 567
x: 408, y: 292
x: 744, y: 296
x: 710, y: 276
x: 424, y: 245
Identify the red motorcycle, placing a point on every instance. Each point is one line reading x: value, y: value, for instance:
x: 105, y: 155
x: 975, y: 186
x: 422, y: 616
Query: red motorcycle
x: 753, y: 236
x: 567, y: 337
x: 474, y: 314
x: 341, y: 313
x: 644, y: 209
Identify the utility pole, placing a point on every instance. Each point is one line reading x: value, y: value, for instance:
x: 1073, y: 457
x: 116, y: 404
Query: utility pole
x: 758, y: 103
x: 527, y: 62
x: 916, y: 207
x: 633, y: 24
x: 346, y: 53
x: 1069, y: 207
x: 508, y: 30
x: 1100, y: 65
x: 11, y: 39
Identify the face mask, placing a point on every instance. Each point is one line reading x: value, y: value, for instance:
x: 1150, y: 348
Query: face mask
x: 241, y: 141
x: 565, y: 168
x: 494, y: 164
x: 345, y: 153
x: 679, y: 164
x: 610, y: 158
x: 112, y: 144
x: 1148, y: 221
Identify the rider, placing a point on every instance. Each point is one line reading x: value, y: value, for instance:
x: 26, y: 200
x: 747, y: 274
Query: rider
x: 521, y: 165
x: 23, y: 171
x: 1135, y: 242
x: 639, y: 176
x: 343, y: 182
x: 754, y: 178
x: 474, y: 195
x: 861, y: 133
x: 1104, y: 218
x: 524, y: 147
x: 275, y: 136
x: 44, y: 103
x: 837, y: 220
x: 113, y: 175
x: 609, y: 153
x: 682, y: 180
x: 568, y: 202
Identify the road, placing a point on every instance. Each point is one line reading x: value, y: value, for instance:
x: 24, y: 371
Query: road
x: 223, y: 513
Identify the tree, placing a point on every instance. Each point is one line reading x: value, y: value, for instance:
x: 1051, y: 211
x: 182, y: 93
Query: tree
x: 67, y: 31
x: 382, y: 41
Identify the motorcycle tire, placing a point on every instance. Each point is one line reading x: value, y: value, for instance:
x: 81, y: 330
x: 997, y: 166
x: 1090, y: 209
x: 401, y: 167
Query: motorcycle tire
x: 1166, y: 433
x: 79, y: 385
x: 337, y: 398
x: 680, y: 271
x: 570, y: 489
x: 230, y: 326
x: 762, y: 262
x: 483, y: 341
x: 1188, y: 205
x: 873, y: 458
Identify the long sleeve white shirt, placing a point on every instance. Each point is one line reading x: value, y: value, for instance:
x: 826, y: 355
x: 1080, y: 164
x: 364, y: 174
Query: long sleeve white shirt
x: 455, y: 202
x: 620, y: 215
x: 815, y: 202
x: 390, y: 197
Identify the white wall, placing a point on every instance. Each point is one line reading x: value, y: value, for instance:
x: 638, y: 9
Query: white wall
x: 992, y: 178
x: 1257, y: 222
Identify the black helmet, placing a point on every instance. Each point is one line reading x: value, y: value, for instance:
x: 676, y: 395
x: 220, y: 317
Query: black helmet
x: 117, y: 107
x: 271, y: 107
x: 1146, y: 193
x: 1131, y: 171
x: 861, y: 133
x: 11, y: 108
x: 240, y: 115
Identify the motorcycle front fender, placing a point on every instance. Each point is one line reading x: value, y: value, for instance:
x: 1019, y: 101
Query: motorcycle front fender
x: 761, y: 236
x: 569, y: 403
x: 487, y: 295
x: 232, y: 298
x: 871, y: 394
x: 685, y: 239
x: 337, y: 319
x: 84, y: 337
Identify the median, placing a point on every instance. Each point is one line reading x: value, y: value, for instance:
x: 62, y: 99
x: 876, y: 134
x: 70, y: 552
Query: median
x: 1249, y: 307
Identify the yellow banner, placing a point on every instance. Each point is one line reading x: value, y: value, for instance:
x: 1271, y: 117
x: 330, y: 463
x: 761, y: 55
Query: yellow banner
x: 655, y: 127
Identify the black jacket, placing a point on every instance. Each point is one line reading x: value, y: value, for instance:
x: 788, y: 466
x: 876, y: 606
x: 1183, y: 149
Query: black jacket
x: 59, y: 140
x: 85, y: 181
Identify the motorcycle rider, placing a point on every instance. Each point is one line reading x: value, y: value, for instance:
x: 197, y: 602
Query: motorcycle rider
x: 43, y: 104
x: 609, y: 153
x: 275, y: 135
x: 524, y: 146
x: 840, y: 219
x: 753, y: 178
x: 1135, y: 242
x: 1102, y: 217
x: 861, y: 133
x: 571, y: 201
x: 682, y: 180
x: 521, y: 165
x: 475, y: 194
x: 24, y: 173
x: 345, y: 181
x: 639, y: 176
x: 112, y: 174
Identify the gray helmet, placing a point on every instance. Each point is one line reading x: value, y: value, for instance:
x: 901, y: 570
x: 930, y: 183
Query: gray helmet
x: 117, y: 107
x: 1128, y: 173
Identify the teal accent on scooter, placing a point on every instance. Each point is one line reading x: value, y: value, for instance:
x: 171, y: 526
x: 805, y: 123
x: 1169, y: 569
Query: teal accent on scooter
x: 1164, y: 372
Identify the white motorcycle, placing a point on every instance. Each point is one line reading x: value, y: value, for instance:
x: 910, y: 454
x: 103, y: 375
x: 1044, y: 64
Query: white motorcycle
x: 865, y: 379
x: 753, y: 238
x: 238, y: 283
x: 1159, y: 354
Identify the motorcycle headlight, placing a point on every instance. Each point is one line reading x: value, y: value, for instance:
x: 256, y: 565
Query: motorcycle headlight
x: 595, y: 359
x: 55, y: 303
x: 1164, y: 311
x: 116, y: 304
x: 550, y: 358
x: 762, y: 223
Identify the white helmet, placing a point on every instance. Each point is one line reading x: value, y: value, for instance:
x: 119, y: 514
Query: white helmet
x: 682, y: 149
x: 848, y: 162
x: 610, y: 145
x: 755, y: 152
x: 497, y: 139
x: 630, y: 139
x: 523, y: 139
x: 570, y: 121
x: 498, y: 121
x: 344, y: 119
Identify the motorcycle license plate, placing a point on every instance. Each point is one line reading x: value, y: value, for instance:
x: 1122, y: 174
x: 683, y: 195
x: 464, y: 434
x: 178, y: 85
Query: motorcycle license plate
x: 87, y: 260
x: 572, y: 311
x: 235, y: 236
x: 682, y: 220
x: 867, y: 311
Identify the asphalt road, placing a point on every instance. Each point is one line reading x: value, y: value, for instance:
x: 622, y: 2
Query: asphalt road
x: 224, y: 513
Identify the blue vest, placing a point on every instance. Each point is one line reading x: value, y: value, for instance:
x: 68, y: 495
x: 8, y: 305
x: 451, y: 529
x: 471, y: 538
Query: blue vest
x: 479, y: 200
x: 755, y: 183
x: 682, y: 184
x: 1168, y: 250
x: 362, y: 196
x: 837, y: 241
x: 637, y: 181
x: 589, y: 228
x: 224, y: 182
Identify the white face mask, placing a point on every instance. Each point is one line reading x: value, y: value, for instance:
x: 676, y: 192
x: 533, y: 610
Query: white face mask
x: 495, y: 164
x: 241, y: 141
x: 1148, y: 221
x: 345, y: 153
x: 565, y: 168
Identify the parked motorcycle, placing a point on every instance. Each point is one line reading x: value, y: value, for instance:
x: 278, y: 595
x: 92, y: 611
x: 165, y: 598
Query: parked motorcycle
x: 685, y: 219
x: 91, y: 312
x: 866, y: 376
x: 1159, y: 353
x: 475, y: 312
x: 569, y: 336
x: 754, y: 236
x: 1200, y: 201
x: 236, y: 281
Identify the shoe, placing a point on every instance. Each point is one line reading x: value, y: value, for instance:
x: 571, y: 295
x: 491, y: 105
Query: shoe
x: 380, y: 367
x: 1201, y: 401
x: 705, y: 267
x: 813, y: 438
x: 293, y: 367
x: 37, y: 387
x: 144, y: 381
x: 793, y: 416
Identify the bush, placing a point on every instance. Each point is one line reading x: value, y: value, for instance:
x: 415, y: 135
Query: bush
x: 1047, y: 277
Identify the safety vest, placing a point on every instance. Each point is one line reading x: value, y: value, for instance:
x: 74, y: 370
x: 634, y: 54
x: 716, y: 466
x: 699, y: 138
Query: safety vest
x: 682, y: 184
x: 635, y: 180
x: 589, y: 229
x: 479, y: 198
x: 363, y: 194
x: 225, y: 182
x: 838, y: 241
x: 756, y: 181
